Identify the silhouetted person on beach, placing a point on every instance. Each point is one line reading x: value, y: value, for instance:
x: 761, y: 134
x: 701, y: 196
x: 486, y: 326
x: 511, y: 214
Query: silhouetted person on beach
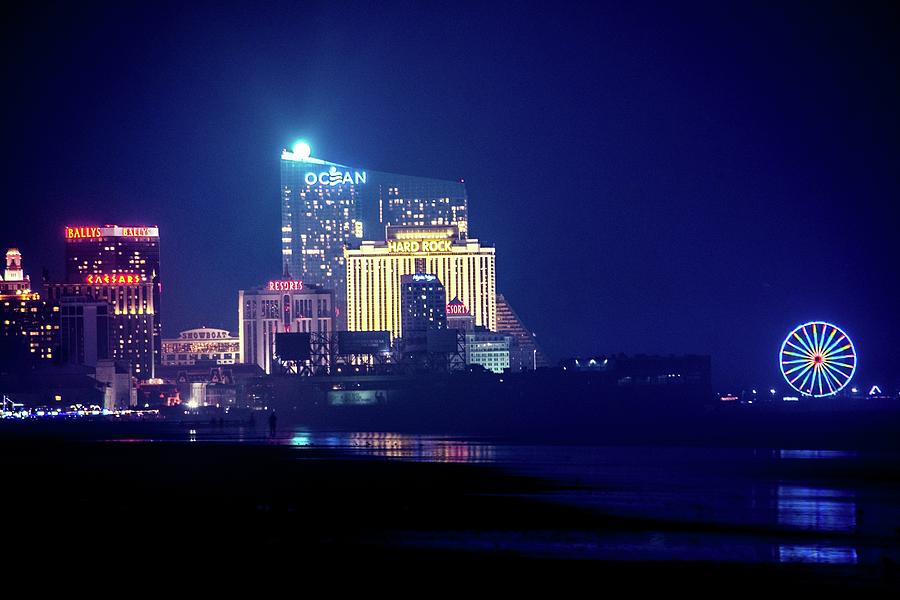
x: 273, y: 421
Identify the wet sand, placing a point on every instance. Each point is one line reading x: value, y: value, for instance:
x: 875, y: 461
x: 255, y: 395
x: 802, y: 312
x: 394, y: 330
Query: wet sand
x: 72, y: 492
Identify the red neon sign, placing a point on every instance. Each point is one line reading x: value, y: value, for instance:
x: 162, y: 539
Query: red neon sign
x: 75, y: 233
x: 290, y: 285
x: 457, y: 309
x: 82, y: 232
x: 112, y: 279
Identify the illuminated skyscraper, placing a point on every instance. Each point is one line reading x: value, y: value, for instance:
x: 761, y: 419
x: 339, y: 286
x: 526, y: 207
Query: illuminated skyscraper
x: 406, y: 201
x: 282, y: 306
x: 134, y: 336
x: 326, y: 206
x: 423, y: 302
x: 112, y: 250
x: 29, y: 326
x: 375, y: 270
x: 119, y: 266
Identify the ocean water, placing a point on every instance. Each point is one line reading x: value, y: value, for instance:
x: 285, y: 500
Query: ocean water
x: 741, y: 505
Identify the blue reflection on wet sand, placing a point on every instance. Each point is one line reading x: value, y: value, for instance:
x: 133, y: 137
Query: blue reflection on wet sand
x: 832, y: 555
x: 816, y: 508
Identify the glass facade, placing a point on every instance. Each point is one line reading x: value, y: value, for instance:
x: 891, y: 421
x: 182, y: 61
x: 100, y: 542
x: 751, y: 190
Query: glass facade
x: 409, y: 201
x: 423, y: 301
x: 319, y: 217
x: 85, y: 327
x: 326, y: 207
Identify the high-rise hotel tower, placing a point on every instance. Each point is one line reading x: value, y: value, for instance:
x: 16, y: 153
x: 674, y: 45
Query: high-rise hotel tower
x: 327, y: 206
x: 375, y: 276
x: 118, y: 266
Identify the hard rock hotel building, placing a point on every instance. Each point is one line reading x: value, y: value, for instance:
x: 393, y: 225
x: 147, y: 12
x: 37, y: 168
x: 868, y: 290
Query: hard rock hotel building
x: 375, y: 271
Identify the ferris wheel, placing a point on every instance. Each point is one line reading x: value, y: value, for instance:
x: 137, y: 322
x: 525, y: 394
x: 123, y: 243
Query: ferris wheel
x: 818, y: 359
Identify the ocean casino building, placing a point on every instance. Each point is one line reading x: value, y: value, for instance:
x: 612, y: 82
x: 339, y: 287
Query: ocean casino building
x: 327, y: 206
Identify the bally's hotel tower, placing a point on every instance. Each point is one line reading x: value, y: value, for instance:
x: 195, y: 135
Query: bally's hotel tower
x: 327, y: 207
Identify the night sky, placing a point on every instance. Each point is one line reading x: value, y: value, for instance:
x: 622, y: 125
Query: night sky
x: 657, y: 178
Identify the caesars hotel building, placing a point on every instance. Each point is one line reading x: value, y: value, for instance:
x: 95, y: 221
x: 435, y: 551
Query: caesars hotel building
x: 374, y: 272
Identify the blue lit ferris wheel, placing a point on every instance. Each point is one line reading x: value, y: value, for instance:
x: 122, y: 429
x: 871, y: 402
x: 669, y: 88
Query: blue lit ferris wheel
x: 818, y: 359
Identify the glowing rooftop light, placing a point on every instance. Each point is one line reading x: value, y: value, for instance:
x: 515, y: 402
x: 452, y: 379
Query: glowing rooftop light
x: 302, y: 150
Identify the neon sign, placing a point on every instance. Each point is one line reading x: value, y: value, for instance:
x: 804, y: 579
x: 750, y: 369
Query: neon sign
x: 113, y: 279
x: 414, y: 246
x: 289, y: 285
x: 77, y: 233
x: 82, y: 232
x: 424, y: 277
x: 333, y: 177
x: 457, y: 308
x: 136, y: 231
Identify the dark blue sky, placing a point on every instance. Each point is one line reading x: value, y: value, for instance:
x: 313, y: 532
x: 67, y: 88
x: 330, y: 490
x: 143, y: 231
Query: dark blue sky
x: 656, y: 178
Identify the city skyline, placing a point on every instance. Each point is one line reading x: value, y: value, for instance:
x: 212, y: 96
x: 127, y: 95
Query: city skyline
x: 685, y: 223
x: 605, y: 289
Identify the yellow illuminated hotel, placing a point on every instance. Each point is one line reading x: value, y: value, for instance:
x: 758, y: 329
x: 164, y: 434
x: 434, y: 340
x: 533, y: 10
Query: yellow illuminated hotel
x: 464, y: 267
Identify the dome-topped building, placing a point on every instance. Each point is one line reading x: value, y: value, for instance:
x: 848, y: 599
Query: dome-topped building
x: 14, y: 280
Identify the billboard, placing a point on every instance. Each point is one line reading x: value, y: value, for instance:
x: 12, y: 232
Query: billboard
x: 363, y: 342
x: 356, y: 397
x: 442, y: 341
x: 292, y: 346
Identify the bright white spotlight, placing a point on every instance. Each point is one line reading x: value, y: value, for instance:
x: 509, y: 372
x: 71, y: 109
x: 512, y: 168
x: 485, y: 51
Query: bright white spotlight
x: 302, y: 150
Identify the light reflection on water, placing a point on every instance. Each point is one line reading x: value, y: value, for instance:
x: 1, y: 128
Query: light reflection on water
x: 400, y: 446
x: 816, y: 509
x: 754, y: 510
x: 833, y: 555
x: 816, y: 454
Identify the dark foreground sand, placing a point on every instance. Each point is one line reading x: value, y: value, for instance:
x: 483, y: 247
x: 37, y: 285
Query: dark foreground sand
x: 229, y: 512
